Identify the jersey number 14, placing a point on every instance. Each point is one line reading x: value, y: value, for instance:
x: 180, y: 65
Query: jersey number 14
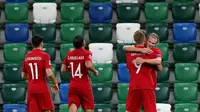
x: 77, y: 71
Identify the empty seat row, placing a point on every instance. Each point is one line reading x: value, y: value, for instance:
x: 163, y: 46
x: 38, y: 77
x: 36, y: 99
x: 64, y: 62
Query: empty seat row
x: 100, y: 33
x: 99, y: 12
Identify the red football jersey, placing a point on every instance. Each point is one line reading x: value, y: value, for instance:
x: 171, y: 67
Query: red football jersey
x: 35, y: 64
x: 75, y: 61
x: 141, y: 77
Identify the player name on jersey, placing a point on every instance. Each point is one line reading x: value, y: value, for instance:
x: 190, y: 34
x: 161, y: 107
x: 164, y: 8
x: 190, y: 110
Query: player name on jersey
x: 33, y: 58
x: 75, y: 57
x: 137, y: 54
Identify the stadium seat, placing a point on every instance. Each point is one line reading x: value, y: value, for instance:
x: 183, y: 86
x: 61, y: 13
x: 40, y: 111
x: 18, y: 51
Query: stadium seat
x: 14, y: 53
x: 64, y: 93
x: 164, y: 75
x: 43, y: 1
x: 99, y: 50
x: 185, y: 52
x: 64, y: 108
x: 16, y: 12
x: 160, y: 29
x: 183, y: 0
x: 125, y: 31
x: 186, y: 72
x: 14, y: 108
x: 161, y: 107
x: 44, y: 13
x: 162, y: 92
x: 165, y: 50
x: 185, y: 92
x: 100, y: 12
x: 121, y: 54
x: 186, y: 107
x: 128, y: 12
x: 12, y: 73
x: 102, y: 93
x: 72, y: 12
x: 99, y: 0
x: 126, y: 1
x: 183, y: 12
x: 65, y: 77
x: 105, y: 73
x: 122, y: 92
x: 184, y: 33
x: 96, y: 31
x: 52, y: 93
x: 123, y: 73
x: 103, y: 108
x: 154, y: 0
x: 47, y: 31
x: 64, y: 49
x: 69, y: 31
x: 122, y: 108
x: 16, y: 1
x: 158, y: 8
x: 13, y: 93
x: 72, y: 0
x: 50, y: 49
x: 16, y: 33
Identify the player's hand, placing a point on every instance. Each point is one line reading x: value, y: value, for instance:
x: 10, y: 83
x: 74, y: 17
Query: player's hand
x: 55, y: 88
x: 146, y: 51
x: 138, y: 60
x: 96, y: 73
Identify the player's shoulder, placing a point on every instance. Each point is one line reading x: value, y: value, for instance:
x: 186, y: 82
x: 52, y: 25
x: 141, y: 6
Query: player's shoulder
x: 156, y: 49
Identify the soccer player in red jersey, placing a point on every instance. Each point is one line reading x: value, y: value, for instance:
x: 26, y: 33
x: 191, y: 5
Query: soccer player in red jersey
x: 78, y: 62
x: 36, y: 68
x: 141, y: 87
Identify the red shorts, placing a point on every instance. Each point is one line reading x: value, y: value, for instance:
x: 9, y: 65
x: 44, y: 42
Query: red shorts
x: 39, y: 102
x: 137, y: 98
x: 80, y: 96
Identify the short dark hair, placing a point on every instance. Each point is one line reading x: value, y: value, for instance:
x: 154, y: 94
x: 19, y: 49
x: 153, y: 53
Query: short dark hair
x: 78, y: 41
x: 36, y: 41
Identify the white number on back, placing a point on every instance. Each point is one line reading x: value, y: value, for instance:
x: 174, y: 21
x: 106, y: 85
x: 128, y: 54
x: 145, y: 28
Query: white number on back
x: 77, y: 71
x: 138, y: 66
x: 34, y: 75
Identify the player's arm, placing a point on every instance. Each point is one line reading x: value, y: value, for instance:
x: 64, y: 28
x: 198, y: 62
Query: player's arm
x: 159, y: 67
x: 64, y: 67
x: 24, y: 72
x: 155, y: 61
x: 89, y: 65
x: 131, y: 48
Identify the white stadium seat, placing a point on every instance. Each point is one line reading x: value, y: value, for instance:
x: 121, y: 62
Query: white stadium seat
x: 126, y: 1
x: 44, y: 13
x: 161, y: 107
x: 101, y: 52
x: 125, y: 32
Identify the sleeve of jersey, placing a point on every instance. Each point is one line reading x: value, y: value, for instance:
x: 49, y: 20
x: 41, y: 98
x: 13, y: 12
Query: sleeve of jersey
x: 88, y: 56
x: 24, y: 68
x: 47, y: 62
x: 159, y: 53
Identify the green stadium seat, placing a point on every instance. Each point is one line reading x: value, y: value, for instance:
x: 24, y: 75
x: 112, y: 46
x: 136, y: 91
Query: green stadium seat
x: 69, y: 31
x: 183, y: 0
x: 159, y: 8
x: 186, y: 72
x: 50, y: 49
x: 165, y: 50
x: 100, y: 0
x: 72, y: 0
x: 122, y: 108
x: 121, y: 54
x: 122, y: 92
x: 103, y: 108
x: 102, y: 93
x: 72, y: 12
x: 65, y: 77
x: 47, y: 31
x: 64, y: 108
x: 183, y: 12
x: 185, y: 52
x: 12, y: 73
x: 128, y: 12
x: 160, y: 29
x: 162, y: 93
x: 105, y: 73
x: 96, y: 31
x: 154, y: 0
x: 186, y: 107
x: 52, y: 93
x: 64, y: 49
x: 185, y: 92
x: 164, y: 75
x: 14, y: 53
x: 43, y: 1
x: 14, y: 93
x: 16, y: 12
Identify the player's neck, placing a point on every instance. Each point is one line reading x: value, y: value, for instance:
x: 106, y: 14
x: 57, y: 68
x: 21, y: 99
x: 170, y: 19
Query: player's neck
x: 37, y: 48
x: 140, y: 44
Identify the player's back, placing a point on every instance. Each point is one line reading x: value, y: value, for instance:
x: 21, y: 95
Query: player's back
x: 76, y: 64
x: 35, y: 64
